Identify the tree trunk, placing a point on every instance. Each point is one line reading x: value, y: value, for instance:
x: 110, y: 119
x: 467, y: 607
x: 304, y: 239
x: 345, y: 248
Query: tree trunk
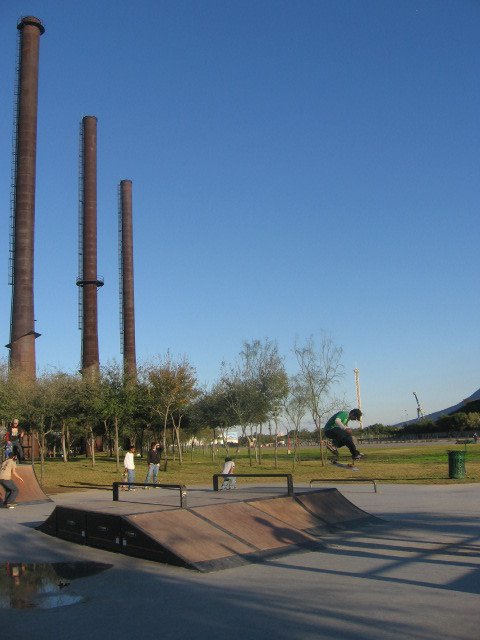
x: 322, y: 447
x: 295, y: 449
x: 179, y: 446
x: 41, y: 448
x: 259, y: 444
x: 164, y: 442
x: 92, y: 446
x: 68, y: 440
x: 249, y: 444
x: 116, y: 444
x: 276, y: 444
x: 64, y: 444
x: 108, y: 438
x: 225, y: 441
x: 254, y: 439
x: 213, y: 445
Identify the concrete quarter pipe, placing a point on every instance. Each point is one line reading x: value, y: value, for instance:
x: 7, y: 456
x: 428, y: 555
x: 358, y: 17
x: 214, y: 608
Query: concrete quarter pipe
x: 29, y: 491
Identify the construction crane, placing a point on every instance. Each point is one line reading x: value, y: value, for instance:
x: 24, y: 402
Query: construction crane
x: 357, y: 386
x: 420, y: 413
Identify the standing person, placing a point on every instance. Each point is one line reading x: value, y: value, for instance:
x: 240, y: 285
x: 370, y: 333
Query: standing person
x: 15, y: 436
x: 153, y: 461
x: 228, y: 468
x: 129, y: 464
x: 7, y: 471
x: 340, y: 434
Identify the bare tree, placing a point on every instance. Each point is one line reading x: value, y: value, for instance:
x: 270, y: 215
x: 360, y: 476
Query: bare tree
x: 319, y: 370
x: 295, y: 406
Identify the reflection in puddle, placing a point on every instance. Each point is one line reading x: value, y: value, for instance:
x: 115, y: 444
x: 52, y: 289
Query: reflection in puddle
x: 42, y: 585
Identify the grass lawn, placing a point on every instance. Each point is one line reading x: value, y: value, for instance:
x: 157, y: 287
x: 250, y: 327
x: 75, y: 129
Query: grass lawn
x: 419, y: 463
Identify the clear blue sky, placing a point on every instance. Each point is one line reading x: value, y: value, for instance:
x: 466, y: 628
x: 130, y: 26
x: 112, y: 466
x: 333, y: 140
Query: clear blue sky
x: 297, y: 167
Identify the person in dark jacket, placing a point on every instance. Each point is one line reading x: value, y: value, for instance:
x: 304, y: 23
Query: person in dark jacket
x: 153, y: 461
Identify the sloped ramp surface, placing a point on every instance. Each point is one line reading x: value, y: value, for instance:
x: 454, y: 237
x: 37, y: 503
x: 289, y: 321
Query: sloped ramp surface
x: 262, y: 531
x: 215, y: 536
x: 190, y: 540
x: 29, y: 491
x: 291, y: 512
x: 332, y: 508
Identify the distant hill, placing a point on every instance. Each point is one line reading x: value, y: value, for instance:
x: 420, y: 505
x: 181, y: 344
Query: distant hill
x: 472, y: 403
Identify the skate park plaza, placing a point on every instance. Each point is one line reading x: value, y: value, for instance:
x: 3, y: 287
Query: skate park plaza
x: 351, y: 560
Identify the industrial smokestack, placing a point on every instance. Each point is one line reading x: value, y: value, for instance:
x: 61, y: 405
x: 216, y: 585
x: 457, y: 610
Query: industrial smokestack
x: 88, y: 279
x: 22, y: 324
x: 127, y: 303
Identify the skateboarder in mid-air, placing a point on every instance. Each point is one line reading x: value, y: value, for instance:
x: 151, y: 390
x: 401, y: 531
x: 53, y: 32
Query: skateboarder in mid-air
x: 338, y: 431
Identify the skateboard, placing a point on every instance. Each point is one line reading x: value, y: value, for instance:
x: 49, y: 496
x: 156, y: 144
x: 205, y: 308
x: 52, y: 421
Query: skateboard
x: 334, y: 459
x: 350, y: 466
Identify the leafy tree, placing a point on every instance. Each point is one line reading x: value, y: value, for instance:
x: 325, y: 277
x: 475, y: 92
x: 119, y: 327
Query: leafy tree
x: 473, y: 420
x: 212, y: 411
x: 44, y: 402
x: 65, y: 409
x: 90, y: 406
x: 116, y: 403
x: 254, y: 387
x: 453, y: 422
x: 8, y: 407
x: 172, y: 389
x: 274, y: 387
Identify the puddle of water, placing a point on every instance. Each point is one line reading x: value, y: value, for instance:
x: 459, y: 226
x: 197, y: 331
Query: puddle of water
x: 43, y: 585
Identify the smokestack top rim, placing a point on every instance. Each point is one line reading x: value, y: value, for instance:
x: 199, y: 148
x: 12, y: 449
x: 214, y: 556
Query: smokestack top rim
x: 31, y: 21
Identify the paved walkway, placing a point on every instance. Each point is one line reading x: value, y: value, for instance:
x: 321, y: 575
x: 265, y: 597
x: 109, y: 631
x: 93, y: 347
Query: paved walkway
x: 415, y: 576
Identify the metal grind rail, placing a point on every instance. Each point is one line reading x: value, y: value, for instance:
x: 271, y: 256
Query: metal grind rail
x: 288, y: 477
x: 180, y: 487
x: 354, y: 480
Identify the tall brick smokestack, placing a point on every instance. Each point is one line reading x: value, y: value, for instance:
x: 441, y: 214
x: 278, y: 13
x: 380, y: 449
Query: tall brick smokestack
x: 127, y: 312
x: 22, y: 327
x: 88, y: 279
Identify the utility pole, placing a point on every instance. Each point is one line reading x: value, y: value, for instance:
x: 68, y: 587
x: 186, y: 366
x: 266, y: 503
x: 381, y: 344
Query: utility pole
x: 357, y: 387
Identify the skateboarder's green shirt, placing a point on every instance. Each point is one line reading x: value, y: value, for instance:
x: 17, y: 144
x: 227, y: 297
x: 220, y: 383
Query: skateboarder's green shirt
x: 343, y: 416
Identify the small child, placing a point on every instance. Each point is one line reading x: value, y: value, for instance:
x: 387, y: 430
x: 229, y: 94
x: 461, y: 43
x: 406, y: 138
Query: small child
x: 228, y: 468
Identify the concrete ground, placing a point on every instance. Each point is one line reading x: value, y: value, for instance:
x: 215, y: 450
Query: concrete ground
x: 414, y: 576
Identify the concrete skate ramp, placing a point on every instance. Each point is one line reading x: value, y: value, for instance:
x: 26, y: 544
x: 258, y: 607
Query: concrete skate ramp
x: 195, y: 543
x: 291, y: 512
x: 260, y: 529
x: 332, y: 508
x: 29, y: 492
x: 211, y: 536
